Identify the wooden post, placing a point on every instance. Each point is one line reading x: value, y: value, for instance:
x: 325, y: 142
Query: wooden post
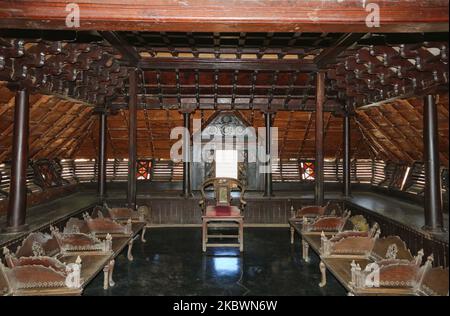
x: 186, y: 155
x: 320, y: 99
x: 433, y: 197
x: 132, y: 141
x: 346, y: 164
x: 101, y: 182
x: 17, y: 206
x: 268, y: 192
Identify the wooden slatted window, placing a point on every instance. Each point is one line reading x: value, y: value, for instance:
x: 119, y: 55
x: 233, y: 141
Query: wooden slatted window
x: 117, y: 170
x: 177, y: 173
x: 162, y: 170
x: 363, y: 171
x: 68, y: 170
x: 378, y: 175
x: 86, y: 170
x: 5, y: 173
x: 31, y: 183
x: 415, y: 182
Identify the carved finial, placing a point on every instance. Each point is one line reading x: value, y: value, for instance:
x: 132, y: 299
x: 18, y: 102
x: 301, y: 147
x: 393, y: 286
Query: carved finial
x: 108, y: 236
x: 78, y: 261
x: 377, y: 234
x: 322, y: 235
x: 430, y: 258
x: 353, y: 264
x: 6, y: 251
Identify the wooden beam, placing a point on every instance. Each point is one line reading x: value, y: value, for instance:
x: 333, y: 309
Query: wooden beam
x: 330, y: 106
x: 168, y: 63
x: 229, y: 16
x: 128, y: 52
x: 328, y: 55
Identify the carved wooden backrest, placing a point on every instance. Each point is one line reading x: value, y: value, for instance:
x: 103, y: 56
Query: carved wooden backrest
x: 42, y: 272
x: 107, y: 225
x: 222, y: 191
x: 326, y: 223
x: 80, y: 242
x: 38, y: 244
x: 312, y: 210
x: 350, y: 243
x: 391, y: 247
x: 76, y: 225
x: 435, y: 282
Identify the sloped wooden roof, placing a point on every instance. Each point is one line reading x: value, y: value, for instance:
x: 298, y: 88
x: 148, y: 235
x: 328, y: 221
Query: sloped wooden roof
x: 57, y: 126
x: 69, y: 129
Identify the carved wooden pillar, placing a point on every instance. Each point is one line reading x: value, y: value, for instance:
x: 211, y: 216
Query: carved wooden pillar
x: 17, y: 206
x: 132, y: 139
x: 347, y: 156
x: 101, y: 182
x: 187, y: 154
x: 268, y: 175
x: 320, y: 100
x: 433, y: 197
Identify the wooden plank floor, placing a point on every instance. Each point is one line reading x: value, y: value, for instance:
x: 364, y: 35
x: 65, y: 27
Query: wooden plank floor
x: 404, y: 212
x: 42, y: 215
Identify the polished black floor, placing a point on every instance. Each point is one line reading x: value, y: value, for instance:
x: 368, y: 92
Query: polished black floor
x: 171, y: 263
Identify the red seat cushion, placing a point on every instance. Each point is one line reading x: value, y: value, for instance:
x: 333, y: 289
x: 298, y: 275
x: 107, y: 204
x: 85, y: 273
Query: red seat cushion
x: 213, y: 211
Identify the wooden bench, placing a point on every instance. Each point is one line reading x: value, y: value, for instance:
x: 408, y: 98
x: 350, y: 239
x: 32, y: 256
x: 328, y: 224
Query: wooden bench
x: 89, y: 244
x: 326, y: 224
x: 123, y: 214
x: 398, y: 271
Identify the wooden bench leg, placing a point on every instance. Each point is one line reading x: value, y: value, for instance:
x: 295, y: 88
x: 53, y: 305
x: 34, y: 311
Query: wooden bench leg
x: 241, y: 236
x: 111, y: 270
x: 106, y: 277
x: 305, y: 251
x: 323, y: 272
x: 130, y: 248
x: 292, y: 235
x: 204, y: 234
x: 143, y: 234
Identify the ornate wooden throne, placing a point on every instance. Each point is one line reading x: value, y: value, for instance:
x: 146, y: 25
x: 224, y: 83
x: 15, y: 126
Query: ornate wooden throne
x: 222, y: 212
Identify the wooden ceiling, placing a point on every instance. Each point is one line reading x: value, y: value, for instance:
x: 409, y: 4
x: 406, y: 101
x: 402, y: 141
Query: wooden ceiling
x: 226, y: 70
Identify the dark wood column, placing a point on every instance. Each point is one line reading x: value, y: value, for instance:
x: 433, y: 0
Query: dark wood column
x: 17, y: 207
x: 132, y: 139
x: 433, y: 196
x: 347, y: 156
x: 320, y: 99
x: 187, y: 154
x: 101, y: 181
x: 268, y: 175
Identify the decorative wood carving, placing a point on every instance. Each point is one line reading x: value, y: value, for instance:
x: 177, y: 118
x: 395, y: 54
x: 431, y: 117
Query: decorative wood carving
x: 325, y: 223
x: 42, y: 272
x: 350, y: 243
x: 71, y: 243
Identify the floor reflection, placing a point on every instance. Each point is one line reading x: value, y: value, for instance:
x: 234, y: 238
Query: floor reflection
x: 172, y: 263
